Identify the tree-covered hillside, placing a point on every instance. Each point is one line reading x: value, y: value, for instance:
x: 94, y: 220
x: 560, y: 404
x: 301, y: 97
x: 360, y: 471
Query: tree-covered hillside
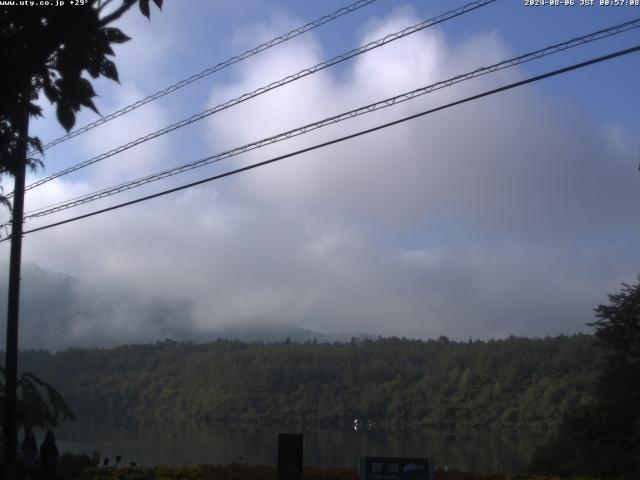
x: 387, y: 383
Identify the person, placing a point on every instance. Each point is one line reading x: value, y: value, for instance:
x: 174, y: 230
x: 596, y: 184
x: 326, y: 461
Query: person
x: 29, y: 448
x: 118, y: 460
x: 49, y: 456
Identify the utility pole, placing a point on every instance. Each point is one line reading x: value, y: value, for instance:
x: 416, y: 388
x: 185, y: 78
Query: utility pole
x: 13, y: 303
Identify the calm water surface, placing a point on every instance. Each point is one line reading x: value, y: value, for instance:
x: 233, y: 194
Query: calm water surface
x: 187, y: 443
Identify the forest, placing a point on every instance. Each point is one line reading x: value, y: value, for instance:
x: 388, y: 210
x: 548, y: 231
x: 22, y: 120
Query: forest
x: 388, y: 383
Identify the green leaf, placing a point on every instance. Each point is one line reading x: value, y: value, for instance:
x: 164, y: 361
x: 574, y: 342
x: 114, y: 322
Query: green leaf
x: 65, y: 115
x: 115, y: 35
x: 87, y: 102
x: 35, y: 110
x: 35, y: 144
x: 109, y: 70
x: 50, y: 90
x: 144, y: 8
x: 94, y: 64
x: 85, y: 89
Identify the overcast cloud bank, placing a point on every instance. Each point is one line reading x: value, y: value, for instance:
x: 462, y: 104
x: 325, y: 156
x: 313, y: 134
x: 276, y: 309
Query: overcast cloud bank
x: 510, y: 215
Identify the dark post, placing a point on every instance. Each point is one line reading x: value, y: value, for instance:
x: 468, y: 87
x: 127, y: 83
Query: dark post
x: 13, y: 305
x: 289, y: 456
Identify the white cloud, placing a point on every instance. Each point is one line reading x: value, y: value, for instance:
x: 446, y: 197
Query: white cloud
x: 498, y: 217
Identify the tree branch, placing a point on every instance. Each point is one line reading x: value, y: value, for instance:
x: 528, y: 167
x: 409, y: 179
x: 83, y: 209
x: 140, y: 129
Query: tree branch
x: 103, y: 4
x: 126, y: 5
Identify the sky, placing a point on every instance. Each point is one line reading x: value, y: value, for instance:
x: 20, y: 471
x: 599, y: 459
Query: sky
x: 512, y: 215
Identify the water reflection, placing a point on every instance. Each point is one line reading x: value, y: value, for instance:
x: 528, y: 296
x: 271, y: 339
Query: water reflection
x: 187, y: 443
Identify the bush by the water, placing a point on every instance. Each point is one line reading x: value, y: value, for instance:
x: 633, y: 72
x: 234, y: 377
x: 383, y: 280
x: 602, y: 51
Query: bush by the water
x: 268, y: 472
x: 69, y: 468
x: 603, y: 439
x: 72, y: 465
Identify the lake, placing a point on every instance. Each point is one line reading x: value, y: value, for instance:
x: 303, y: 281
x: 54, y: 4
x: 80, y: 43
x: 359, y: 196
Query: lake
x: 188, y: 443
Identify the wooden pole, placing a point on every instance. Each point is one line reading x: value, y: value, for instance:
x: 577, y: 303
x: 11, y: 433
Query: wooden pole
x: 13, y: 305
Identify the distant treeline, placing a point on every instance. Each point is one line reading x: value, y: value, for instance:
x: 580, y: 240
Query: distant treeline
x: 386, y: 383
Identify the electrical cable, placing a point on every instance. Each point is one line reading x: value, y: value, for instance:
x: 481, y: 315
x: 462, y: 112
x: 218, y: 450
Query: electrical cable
x: 284, y: 81
x: 381, y: 104
x: 510, y: 86
x: 210, y: 70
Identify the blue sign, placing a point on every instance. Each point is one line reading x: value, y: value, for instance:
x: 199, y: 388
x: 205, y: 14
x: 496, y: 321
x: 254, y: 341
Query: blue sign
x: 396, y: 468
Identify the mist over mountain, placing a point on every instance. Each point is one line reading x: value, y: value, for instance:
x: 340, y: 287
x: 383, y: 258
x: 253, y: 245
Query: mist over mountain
x: 58, y: 311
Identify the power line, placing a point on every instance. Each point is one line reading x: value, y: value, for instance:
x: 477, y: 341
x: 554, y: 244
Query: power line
x: 291, y: 78
x: 388, y: 102
x: 344, y: 138
x: 210, y: 70
x: 264, y: 89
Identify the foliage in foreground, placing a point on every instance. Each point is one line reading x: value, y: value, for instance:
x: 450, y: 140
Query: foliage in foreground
x: 52, y: 51
x: 266, y: 472
x: 39, y: 405
x: 604, y: 439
